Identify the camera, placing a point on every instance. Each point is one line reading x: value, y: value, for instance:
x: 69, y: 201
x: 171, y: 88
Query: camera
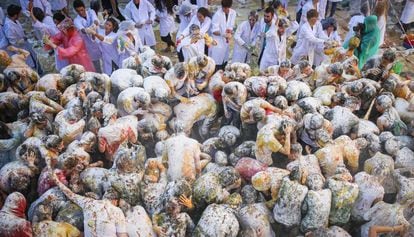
x: 359, y: 28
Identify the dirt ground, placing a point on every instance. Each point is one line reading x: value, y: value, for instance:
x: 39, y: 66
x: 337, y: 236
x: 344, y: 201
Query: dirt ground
x: 393, y: 33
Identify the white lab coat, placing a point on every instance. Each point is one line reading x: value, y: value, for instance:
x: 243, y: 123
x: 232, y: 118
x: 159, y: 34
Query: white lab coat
x: 307, y: 7
x: 145, y: 12
x: 42, y: 4
x: 192, y: 49
x: 382, y: 25
x: 90, y: 43
x: 244, y: 35
x: 126, y: 47
x: 47, y: 26
x: 15, y: 36
x: 58, y: 5
x: 285, y: 3
x: 109, y: 50
x: 322, y: 8
x: 220, y: 52
x: 407, y: 15
x: 334, y: 36
x: 3, y: 40
x: 202, y: 3
x: 204, y: 27
x: 307, y: 43
x: 275, y: 49
x: 2, y: 16
x: 167, y: 24
x: 300, y: 5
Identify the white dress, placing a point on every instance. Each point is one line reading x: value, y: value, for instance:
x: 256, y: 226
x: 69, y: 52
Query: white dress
x: 58, y: 5
x: 42, y: 4
x: 407, y: 15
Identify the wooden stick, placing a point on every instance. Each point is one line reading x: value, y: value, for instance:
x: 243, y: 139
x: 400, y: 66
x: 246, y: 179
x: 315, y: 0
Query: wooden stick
x: 366, y: 117
x: 376, y: 229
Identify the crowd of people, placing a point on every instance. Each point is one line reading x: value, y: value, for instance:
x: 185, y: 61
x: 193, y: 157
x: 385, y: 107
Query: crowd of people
x: 121, y: 140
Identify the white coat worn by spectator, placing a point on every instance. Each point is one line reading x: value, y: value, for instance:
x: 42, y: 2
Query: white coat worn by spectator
x: 245, y: 38
x: 142, y: 13
x: 58, y: 5
x: 15, y: 34
x: 309, y: 5
x: 200, y: 19
x: 42, y: 4
x: 86, y: 22
x: 129, y: 42
x: 407, y: 16
x: 108, y: 44
x: 3, y: 39
x: 308, y: 40
x: 222, y: 28
x: 275, y: 41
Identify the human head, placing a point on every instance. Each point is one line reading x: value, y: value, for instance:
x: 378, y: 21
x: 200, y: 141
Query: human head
x: 383, y: 103
x: 281, y: 26
x: 202, y: 13
x: 14, y: 11
x: 185, y: 9
x: 226, y: 5
x: 111, y: 25
x: 295, y: 151
x: 38, y: 14
x: 312, y: 16
x: 112, y: 195
x: 268, y: 15
x: 66, y: 26
x: 305, y: 67
x: 261, y: 181
x: 229, y: 177
x: 79, y: 7
x: 54, y: 142
x: 53, y: 94
x: 180, y: 71
x: 388, y: 57
x: 58, y: 17
x: 356, y: 87
x: 329, y: 24
x: 229, y: 134
x: 335, y: 69
x: 253, y: 17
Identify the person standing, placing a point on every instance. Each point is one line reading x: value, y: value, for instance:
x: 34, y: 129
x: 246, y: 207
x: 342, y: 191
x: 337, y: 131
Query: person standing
x: 309, y: 37
x: 381, y: 11
x: 310, y: 4
x: 165, y: 16
x: 143, y: 14
x: 333, y: 4
x: 407, y: 16
x: 27, y: 5
x: 69, y: 45
x: 245, y: 38
x: 15, y: 35
x: 274, y: 36
x: 107, y: 41
x: 222, y: 26
x: 357, y: 17
x: 87, y: 19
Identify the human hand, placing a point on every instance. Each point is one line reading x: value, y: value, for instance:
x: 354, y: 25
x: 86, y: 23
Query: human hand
x: 185, y: 201
x: 90, y: 30
x: 374, y: 71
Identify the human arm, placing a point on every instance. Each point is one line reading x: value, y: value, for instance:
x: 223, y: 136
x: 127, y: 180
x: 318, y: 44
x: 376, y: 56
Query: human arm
x: 294, y: 26
x: 238, y: 34
x: 47, y: 7
x: 286, y: 147
x: 24, y: 54
x: 77, y: 199
x: 307, y: 33
x: 51, y: 106
x: 114, y: 11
